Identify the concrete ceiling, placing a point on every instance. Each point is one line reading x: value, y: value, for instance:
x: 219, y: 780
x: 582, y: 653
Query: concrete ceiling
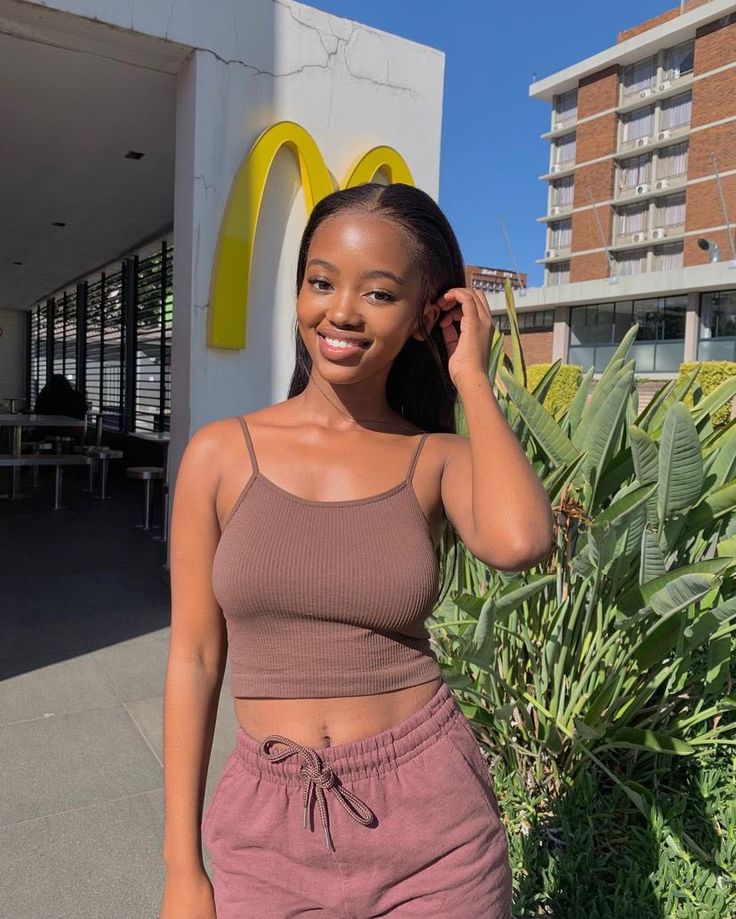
x: 75, y: 97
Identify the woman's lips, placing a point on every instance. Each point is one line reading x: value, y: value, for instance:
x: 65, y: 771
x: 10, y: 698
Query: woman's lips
x: 336, y: 352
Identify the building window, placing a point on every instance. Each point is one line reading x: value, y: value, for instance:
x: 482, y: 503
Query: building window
x: 639, y: 123
x: 536, y: 320
x: 565, y: 108
x: 667, y: 257
x: 670, y: 212
x: 558, y: 273
x: 631, y: 261
x: 563, y: 150
x: 596, y: 330
x: 632, y: 219
x: 717, y: 341
x: 672, y: 161
x: 562, y: 192
x: 560, y: 235
x: 634, y: 172
x: 592, y: 325
x: 660, y: 319
x: 678, y: 61
x: 639, y: 77
x: 676, y: 111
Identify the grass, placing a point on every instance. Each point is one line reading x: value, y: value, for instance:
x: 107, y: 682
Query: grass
x: 590, y: 854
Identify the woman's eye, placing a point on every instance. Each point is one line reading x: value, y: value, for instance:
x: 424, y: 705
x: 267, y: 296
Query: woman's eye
x: 315, y: 282
x: 383, y: 295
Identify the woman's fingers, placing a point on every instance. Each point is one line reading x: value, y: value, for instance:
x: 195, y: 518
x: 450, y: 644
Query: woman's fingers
x: 476, y: 303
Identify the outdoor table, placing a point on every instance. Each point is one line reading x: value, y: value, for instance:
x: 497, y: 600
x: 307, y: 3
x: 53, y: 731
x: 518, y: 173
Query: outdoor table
x: 163, y: 438
x: 20, y: 421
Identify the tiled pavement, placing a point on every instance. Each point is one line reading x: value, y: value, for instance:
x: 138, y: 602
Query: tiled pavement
x: 84, y: 614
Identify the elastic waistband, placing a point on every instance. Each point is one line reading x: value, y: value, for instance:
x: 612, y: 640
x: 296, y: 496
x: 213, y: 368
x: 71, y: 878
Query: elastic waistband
x: 370, y: 755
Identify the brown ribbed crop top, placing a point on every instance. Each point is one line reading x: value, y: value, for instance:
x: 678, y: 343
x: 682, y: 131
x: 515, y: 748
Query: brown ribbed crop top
x: 326, y: 598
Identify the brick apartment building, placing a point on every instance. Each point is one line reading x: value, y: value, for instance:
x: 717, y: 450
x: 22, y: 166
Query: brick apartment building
x: 535, y: 326
x: 641, y: 196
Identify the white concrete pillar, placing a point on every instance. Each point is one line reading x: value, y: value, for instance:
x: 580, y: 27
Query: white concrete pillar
x: 692, y: 327
x: 561, y: 334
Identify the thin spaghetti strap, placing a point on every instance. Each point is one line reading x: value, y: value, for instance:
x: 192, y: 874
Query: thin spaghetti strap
x: 416, y: 456
x: 249, y: 444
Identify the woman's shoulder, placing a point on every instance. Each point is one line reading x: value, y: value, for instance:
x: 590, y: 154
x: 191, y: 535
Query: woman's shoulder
x: 223, y: 437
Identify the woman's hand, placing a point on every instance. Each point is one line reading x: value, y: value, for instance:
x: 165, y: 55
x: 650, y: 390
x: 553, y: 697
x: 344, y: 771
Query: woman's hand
x: 188, y: 895
x: 469, y: 349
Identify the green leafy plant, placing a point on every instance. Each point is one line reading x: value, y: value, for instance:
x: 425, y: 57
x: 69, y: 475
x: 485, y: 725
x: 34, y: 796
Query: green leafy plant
x: 620, y: 643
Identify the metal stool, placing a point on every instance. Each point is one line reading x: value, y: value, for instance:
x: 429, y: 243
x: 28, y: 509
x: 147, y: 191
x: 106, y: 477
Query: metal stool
x: 104, y: 455
x: 147, y: 474
x: 89, y: 450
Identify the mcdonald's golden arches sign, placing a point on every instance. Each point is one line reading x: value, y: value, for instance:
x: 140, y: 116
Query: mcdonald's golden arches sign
x: 233, y: 257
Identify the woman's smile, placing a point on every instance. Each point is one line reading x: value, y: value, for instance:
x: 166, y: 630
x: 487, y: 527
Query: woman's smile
x: 339, y: 349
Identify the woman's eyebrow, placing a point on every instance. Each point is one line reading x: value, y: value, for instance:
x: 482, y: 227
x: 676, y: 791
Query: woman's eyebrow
x: 383, y: 273
x: 376, y: 273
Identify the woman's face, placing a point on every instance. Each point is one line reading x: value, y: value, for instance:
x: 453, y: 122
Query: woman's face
x: 360, y: 282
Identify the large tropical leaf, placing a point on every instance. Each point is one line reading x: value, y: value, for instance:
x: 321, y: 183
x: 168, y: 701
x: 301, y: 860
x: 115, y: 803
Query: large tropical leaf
x: 680, y: 463
x: 543, y: 426
x: 517, y: 354
x: 640, y: 595
x: 604, y: 430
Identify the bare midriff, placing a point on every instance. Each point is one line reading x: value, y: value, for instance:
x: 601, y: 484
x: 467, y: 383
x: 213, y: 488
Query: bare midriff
x: 327, y: 722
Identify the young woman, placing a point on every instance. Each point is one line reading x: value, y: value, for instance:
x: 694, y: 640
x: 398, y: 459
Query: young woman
x: 306, y: 538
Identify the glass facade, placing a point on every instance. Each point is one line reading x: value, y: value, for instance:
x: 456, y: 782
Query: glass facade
x: 596, y: 330
x: 717, y: 339
x: 529, y: 321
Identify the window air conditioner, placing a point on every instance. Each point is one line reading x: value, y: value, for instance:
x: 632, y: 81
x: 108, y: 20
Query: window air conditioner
x: 550, y: 253
x: 555, y: 167
x: 665, y: 85
x: 659, y: 233
x: 638, y: 237
x: 554, y: 211
x: 664, y: 135
x: 642, y: 189
x: 645, y: 92
x: 663, y: 183
x: 642, y: 141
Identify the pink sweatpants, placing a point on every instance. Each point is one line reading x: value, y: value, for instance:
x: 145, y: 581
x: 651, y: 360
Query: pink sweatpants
x: 403, y: 823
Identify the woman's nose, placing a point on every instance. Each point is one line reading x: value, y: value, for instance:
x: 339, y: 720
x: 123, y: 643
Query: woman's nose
x: 344, y: 309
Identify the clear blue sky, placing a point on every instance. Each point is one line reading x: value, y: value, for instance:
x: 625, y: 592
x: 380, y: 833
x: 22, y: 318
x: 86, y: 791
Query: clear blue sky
x: 491, y: 149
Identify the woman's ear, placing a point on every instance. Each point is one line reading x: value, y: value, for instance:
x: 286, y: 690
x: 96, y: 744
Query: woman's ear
x: 428, y: 317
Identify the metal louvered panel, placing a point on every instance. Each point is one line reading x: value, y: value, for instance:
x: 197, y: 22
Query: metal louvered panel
x: 94, y: 344
x: 154, y: 309
x: 38, y: 351
x: 111, y: 349
x: 65, y: 335
x: 133, y: 306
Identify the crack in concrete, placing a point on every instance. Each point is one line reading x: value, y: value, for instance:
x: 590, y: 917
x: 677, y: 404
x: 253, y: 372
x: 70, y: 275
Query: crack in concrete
x: 339, y: 42
x: 207, y: 187
x: 170, y: 18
